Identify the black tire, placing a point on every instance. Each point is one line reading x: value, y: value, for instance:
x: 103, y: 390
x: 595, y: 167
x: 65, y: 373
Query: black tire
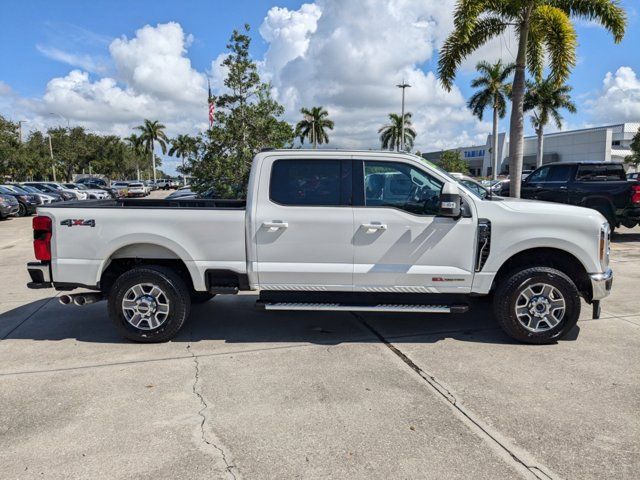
x: 22, y: 210
x: 508, y: 293
x: 201, y: 297
x: 176, y: 295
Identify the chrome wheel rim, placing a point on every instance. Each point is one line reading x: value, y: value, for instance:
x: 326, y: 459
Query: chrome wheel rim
x: 145, y: 306
x: 540, y: 307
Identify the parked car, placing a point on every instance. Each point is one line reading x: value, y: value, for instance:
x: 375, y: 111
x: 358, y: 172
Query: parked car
x: 41, y: 187
x: 92, y: 193
x: 113, y: 192
x: 57, y: 187
x: 314, y: 234
x: 43, y: 198
x: 9, y: 206
x: 164, y: 183
x: 633, y: 176
x: 99, y: 182
x: 136, y: 189
x: 27, y: 203
x: 602, y: 186
x: 473, y: 185
x: 183, y: 192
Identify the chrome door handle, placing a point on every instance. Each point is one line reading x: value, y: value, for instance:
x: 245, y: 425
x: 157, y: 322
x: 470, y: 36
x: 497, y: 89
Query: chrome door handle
x: 374, y: 226
x: 275, y: 225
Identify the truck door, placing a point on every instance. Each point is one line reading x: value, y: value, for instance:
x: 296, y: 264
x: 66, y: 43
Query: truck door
x: 401, y: 245
x: 303, y: 224
x: 548, y: 183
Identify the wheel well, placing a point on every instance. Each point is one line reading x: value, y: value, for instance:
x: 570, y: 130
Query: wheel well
x: 118, y: 266
x: 548, y: 257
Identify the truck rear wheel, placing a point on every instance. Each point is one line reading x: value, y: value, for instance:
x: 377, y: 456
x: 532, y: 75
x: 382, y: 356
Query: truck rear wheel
x: 149, y: 304
x: 538, y: 305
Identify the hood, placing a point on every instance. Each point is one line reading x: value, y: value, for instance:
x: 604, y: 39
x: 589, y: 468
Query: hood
x: 546, y: 208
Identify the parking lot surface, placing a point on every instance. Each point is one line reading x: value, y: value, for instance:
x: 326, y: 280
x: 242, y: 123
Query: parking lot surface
x: 243, y: 393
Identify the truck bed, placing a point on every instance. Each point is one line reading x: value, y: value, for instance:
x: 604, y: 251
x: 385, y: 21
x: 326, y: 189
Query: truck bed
x: 208, y: 203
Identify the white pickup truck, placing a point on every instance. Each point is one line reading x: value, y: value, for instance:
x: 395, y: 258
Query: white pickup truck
x: 329, y: 230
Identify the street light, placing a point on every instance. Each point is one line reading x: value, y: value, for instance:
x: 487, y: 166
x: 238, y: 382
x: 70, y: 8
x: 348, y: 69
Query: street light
x: 403, y: 86
x: 62, y: 117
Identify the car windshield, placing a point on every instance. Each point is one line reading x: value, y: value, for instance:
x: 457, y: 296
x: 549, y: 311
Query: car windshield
x: 29, y: 189
x: 15, y: 188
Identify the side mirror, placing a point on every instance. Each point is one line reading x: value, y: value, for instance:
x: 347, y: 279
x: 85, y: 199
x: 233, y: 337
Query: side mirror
x: 450, y: 201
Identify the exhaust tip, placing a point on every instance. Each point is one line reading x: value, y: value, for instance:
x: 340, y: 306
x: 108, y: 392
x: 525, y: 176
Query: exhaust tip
x: 65, y: 299
x: 80, y: 300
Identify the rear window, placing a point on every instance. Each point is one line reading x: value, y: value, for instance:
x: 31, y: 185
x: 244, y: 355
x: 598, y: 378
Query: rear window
x: 307, y: 183
x: 600, y: 173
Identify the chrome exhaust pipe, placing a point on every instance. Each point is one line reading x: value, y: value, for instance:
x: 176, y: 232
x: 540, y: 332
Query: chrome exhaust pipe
x: 81, y: 299
x: 65, y: 299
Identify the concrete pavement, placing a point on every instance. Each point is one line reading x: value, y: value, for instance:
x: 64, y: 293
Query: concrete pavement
x: 252, y: 394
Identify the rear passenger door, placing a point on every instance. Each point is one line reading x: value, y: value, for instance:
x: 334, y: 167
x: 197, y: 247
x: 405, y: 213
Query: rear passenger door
x: 303, y: 224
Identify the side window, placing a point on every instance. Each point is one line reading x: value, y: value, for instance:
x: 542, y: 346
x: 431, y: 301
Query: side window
x: 600, y: 173
x: 559, y: 173
x: 539, y: 175
x: 398, y: 185
x: 310, y: 182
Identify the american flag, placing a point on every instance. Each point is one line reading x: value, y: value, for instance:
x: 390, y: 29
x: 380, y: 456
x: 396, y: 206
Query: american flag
x: 212, y: 105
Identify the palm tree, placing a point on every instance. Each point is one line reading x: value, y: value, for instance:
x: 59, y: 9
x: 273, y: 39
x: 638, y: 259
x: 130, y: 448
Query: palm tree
x: 151, y: 132
x: 390, y: 134
x: 494, y: 92
x: 546, y: 98
x: 544, y: 30
x: 314, y: 125
x: 134, y: 143
x: 183, y: 146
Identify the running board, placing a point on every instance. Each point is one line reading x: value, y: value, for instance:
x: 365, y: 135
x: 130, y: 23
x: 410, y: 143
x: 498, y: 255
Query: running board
x: 339, y: 307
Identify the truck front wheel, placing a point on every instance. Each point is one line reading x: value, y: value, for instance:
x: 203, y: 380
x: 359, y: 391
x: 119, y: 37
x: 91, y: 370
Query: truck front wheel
x: 537, y: 305
x: 149, y: 304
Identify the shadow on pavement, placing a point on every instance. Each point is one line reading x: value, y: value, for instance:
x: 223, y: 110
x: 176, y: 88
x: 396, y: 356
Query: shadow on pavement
x: 622, y: 237
x: 235, y: 320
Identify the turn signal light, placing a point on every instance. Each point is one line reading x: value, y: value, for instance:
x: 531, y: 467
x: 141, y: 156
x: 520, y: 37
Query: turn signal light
x: 42, y: 238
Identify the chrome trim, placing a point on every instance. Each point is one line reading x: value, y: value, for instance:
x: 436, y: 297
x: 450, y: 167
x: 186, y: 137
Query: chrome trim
x: 333, y: 307
x: 601, y: 284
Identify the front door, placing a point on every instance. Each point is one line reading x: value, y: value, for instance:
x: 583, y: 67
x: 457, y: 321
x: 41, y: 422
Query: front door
x: 548, y: 184
x: 401, y: 244
x: 303, y: 225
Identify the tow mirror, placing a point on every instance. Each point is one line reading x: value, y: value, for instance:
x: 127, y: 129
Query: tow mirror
x: 450, y: 201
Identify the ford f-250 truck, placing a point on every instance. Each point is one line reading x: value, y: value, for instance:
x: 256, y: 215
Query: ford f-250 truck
x: 329, y: 231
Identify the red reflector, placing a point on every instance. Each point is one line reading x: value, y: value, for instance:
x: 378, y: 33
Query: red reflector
x: 42, y: 223
x: 42, y: 238
x: 635, y: 197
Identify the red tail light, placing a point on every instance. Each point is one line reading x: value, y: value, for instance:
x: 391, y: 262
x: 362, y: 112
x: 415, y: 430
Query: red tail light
x: 42, y: 238
x: 635, y: 196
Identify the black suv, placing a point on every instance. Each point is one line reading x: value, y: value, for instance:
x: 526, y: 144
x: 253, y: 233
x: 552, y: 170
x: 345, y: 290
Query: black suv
x: 602, y: 186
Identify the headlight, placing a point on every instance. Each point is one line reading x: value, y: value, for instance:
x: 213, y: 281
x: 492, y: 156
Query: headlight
x: 604, y: 248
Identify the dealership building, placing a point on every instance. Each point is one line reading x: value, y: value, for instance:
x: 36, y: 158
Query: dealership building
x: 609, y: 143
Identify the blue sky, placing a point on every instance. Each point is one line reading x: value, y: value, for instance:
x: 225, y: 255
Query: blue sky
x: 347, y: 55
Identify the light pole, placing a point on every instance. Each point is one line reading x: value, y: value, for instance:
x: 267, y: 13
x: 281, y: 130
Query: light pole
x: 20, y: 122
x: 403, y: 86
x: 53, y: 163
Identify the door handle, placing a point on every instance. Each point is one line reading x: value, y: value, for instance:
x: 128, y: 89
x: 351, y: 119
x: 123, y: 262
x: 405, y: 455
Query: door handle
x: 277, y: 225
x: 374, y: 226
x: 563, y: 188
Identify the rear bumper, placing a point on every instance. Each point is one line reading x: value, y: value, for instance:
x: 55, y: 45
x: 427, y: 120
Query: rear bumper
x: 40, y: 274
x: 8, y: 210
x: 601, y: 284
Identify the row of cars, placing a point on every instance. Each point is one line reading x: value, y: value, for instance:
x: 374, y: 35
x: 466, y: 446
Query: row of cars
x: 22, y: 199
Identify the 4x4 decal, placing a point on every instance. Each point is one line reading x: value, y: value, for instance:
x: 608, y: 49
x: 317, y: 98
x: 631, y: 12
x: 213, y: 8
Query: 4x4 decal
x: 78, y: 222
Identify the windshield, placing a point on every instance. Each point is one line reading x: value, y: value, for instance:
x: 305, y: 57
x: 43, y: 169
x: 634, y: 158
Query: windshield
x: 15, y: 188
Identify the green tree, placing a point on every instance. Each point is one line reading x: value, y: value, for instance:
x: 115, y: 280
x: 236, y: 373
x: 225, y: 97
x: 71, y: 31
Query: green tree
x: 544, y: 30
x: 247, y: 119
x: 9, y: 146
x: 183, y: 146
x: 493, y: 93
x: 451, y: 161
x: 390, y: 134
x: 152, y: 132
x: 314, y: 126
x: 634, y: 158
x: 546, y: 98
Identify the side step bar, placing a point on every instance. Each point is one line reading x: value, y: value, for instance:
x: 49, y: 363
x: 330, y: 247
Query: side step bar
x: 339, y: 307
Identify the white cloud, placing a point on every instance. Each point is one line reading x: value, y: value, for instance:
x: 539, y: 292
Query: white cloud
x: 619, y: 99
x: 84, y: 61
x: 348, y: 57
